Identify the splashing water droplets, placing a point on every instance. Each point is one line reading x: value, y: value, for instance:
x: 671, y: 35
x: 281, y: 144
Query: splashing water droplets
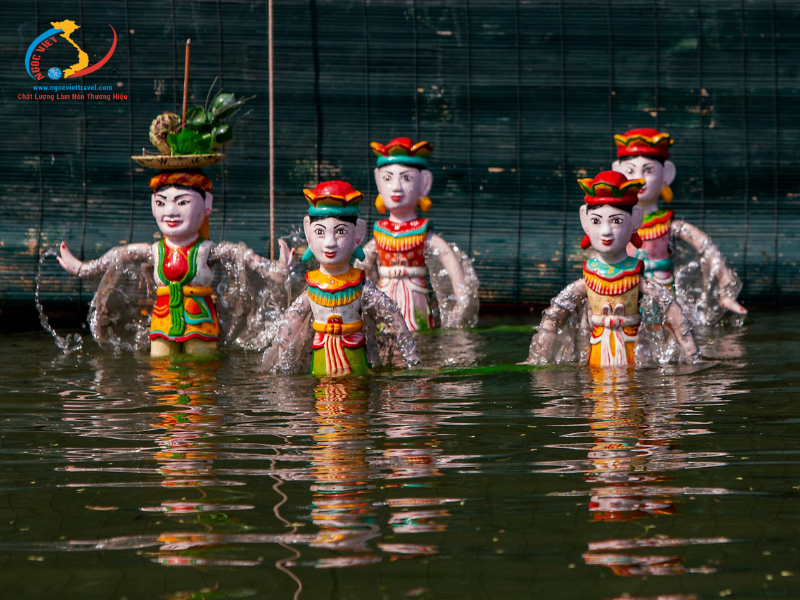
x: 72, y: 342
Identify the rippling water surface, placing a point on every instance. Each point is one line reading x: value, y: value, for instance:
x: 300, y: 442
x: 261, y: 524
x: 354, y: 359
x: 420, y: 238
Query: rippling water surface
x: 126, y: 477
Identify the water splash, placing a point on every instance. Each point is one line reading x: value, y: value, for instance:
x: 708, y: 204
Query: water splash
x: 72, y: 342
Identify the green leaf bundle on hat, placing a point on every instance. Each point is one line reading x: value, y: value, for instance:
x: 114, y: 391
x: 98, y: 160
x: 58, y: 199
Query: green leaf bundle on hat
x: 206, y: 128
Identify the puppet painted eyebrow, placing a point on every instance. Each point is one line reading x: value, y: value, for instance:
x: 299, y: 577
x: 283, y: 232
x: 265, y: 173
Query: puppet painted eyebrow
x: 163, y: 197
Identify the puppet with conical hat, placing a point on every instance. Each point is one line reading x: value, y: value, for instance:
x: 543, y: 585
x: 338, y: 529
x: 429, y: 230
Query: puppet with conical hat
x: 178, y: 271
x: 644, y: 153
x: 613, y: 283
x: 330, y: 330
x: 406, y: 251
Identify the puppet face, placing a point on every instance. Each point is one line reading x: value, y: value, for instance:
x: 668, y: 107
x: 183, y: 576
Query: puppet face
x: 401, y: 186
x: 656, y: 176
x: 610, y: 228
x: 180, y: 212
x: 333, y: 241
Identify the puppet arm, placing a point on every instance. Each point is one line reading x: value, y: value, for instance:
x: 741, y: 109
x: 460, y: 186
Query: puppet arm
x: 450, y: 262
x: 283, y: 354
x: 674, y: 319
x: 569, y: 300
x: 385, y: 312
x: 275, y: 270
x: 98, y: 266
x: 715, y: 261
x: 369, y: 264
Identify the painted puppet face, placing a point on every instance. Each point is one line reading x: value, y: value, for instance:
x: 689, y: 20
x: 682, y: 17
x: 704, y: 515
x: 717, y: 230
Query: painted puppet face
x: 333, y: 241
x: 179, y: 212
x: 610, y: 228
x: 656, y: 176
x: 401, y: 186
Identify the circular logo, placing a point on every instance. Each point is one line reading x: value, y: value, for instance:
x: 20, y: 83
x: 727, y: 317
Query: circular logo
x: 54, y: 73
x: 114, y: 73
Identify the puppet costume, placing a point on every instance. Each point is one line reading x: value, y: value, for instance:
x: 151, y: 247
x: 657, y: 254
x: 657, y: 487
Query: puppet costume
x: 613, y: 293
x: 184, y: 308
x: 339, y: 342
x: 402, y: 268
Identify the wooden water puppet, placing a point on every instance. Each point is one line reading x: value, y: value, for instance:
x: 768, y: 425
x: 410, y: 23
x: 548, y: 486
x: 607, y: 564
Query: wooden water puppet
x: 609, y: 294
x: 180, y: 266
x: 644, y: 153
x: 407, y: 252
x: 184, y: 318
x: 331, y: 327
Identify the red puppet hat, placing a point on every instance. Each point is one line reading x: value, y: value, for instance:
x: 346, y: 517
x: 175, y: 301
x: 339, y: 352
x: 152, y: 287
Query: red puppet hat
x: 643, y: 142
x: 610, y: 187
x: 613, y: 189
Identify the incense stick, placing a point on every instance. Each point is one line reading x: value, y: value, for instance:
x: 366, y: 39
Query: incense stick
x: 186, y: 81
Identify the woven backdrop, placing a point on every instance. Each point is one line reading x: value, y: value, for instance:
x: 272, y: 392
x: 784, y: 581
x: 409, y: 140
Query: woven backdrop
x: 519, y: 99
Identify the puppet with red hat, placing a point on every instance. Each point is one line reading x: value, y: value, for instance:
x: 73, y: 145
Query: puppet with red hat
x: 330, y: 328
x: 644, y: 153
x: 612, y: 285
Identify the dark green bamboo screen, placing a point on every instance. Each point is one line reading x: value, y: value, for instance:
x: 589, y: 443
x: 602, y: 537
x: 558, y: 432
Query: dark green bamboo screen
x: 518, y: 98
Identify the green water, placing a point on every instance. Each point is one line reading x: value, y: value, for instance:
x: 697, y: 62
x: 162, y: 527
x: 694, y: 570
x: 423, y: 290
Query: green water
x: 131, y: 478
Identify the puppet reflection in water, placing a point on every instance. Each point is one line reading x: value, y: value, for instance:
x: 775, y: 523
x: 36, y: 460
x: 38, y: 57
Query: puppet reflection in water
x: 345, y: 505
x: 635, y: 425
x: 186, y: 453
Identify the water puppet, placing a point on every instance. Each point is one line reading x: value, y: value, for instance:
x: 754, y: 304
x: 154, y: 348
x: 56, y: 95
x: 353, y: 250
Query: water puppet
x: 332, y: 328
x: 644, y: 154
x: 406, y: 250
x: 162, y: 294
x: 607, y: 303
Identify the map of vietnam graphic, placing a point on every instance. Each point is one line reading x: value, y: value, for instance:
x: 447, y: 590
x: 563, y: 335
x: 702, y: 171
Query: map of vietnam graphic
x: 69, y: 28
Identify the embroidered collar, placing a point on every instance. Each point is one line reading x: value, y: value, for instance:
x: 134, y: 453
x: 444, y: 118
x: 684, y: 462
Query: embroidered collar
x: 334, y: 283
x: 397, y: 230
x: 660, y: 216
x: 629, y: 266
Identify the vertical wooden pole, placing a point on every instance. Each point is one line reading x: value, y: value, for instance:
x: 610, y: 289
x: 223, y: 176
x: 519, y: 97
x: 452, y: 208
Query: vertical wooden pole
x: 271, y: 140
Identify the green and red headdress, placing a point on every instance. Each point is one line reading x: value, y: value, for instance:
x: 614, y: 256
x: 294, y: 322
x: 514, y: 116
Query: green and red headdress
x: 333, y: 199
x: 643, y: 142
x: 612, y: 189
x: 404, y: 152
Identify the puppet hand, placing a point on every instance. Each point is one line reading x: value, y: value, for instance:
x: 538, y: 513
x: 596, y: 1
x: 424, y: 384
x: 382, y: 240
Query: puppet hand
x: 67, y: 261
x: 730, y: 303
x: 286, y: 256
